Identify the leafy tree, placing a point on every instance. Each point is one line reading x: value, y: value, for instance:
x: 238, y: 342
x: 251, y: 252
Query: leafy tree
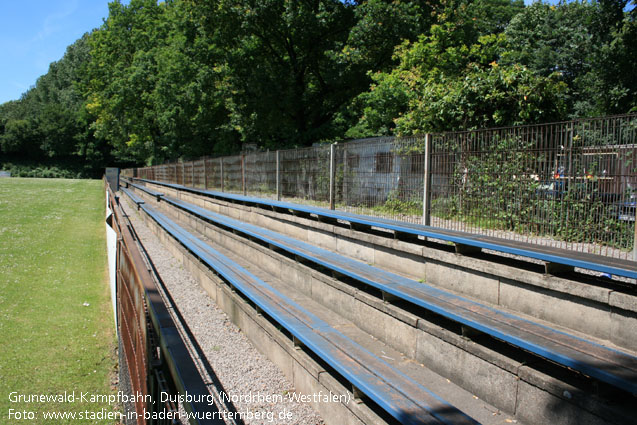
x: 478, y: 17
x: 484, y: 97
x: 121, y: 77
x: 441, y: 55
x: 185, y: 78
x: 20, y: 136
x: 283, y: 81
x: 188, y: 103
x: 58, y: 128
x: 613, y: 80
x: 153, y: 83
x: 587, y: 44
x: 381, y: 25
x: 44, y: 121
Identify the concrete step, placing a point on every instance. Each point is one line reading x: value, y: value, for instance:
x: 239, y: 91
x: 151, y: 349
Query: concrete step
x: 512, y: 381
x: 594, y: 306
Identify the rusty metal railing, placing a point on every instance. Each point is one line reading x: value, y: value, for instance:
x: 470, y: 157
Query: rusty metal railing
x: 157, y: 359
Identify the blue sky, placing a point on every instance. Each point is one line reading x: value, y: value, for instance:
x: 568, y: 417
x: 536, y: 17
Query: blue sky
x: 34, y: 33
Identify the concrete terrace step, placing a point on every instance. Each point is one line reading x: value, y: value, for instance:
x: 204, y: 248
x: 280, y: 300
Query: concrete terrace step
x: 402, y: 397
x: 550, y: 255
x: 608, y: 365
x: 526, y: 386
x: 469, y: 403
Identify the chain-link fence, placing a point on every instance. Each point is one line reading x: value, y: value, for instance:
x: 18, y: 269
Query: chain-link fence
x: 571, y: 185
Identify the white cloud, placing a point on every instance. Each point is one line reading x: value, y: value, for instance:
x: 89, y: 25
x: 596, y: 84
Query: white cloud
x: 55, y: 21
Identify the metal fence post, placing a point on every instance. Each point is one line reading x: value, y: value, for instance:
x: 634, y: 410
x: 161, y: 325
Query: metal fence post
x: 426, y: 196
x: 344, y: 187
x: 332, y: 175
x: 278, y: 175
x: 221, y: 171
x: 635, y: 238
x: 243, y: 173
x: 205, y: 173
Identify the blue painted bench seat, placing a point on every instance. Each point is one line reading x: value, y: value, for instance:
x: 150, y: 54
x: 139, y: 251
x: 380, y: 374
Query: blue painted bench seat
x: 137, y: 200
x: 147, y: 190
x: 399, y: 395
x: 608, y: 365
x: 599, y: 263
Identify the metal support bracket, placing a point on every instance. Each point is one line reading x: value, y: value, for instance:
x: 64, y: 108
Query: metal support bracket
x: 555, y: 268
x: 467, y: 249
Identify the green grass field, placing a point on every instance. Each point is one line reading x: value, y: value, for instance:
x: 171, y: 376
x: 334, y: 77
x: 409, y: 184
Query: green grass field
x: 56, y: 323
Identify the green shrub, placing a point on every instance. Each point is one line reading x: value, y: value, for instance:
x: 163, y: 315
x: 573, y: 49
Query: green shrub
x: 28, y: 168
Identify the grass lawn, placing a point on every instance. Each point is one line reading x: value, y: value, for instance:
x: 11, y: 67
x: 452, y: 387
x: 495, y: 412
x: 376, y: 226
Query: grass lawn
x: 56, y: 321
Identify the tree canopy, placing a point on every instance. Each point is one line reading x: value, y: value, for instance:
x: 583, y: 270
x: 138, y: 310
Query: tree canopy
x: 186, y: 78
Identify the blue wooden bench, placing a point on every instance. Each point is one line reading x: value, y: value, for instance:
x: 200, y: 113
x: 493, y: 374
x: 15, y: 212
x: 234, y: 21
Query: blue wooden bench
x: 551, y: 256
x: 608, y: 365
x: 151, y: 192
x: 403, y: 398
x: 137, y: 200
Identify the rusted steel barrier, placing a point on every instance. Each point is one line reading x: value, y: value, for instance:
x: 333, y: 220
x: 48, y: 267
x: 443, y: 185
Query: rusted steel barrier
x: 159, y: 363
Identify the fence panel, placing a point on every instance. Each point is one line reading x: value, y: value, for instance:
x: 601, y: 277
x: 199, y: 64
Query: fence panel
x: 198, y: 174
x: 260, y: 174
x: 305, y: 174
x: 562, y: 185
x: 179, y: 173
x: 188, y: 168
x: 570, y: 185
x: 381, y: 177
x: 213, y: 170
x: 232, y: 175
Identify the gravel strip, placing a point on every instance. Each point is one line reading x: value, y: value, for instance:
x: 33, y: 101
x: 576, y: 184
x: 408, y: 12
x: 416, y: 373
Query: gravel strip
x: 259, y: 388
